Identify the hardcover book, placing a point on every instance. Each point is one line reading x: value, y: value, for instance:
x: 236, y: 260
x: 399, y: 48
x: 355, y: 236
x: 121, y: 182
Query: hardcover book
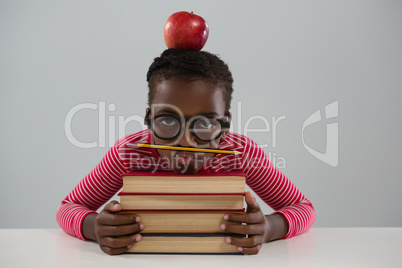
x: 183, y: 213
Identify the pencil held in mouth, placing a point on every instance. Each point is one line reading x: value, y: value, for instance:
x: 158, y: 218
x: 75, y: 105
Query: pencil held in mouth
x: 190, y: 149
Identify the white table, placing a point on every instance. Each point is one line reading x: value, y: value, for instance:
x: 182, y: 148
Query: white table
x: 319, y: 247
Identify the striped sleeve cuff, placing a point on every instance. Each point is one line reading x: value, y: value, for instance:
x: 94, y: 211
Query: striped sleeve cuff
x: 300, y: 218
x: 71, y: 217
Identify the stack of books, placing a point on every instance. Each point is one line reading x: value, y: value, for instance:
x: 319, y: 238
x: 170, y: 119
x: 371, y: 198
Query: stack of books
x: 183, y: 213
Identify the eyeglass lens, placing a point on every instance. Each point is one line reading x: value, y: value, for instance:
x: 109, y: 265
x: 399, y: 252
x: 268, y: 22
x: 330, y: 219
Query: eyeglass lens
x: 204, y: 128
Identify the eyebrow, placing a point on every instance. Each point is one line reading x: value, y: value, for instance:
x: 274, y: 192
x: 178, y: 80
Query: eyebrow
x: 166, y: 110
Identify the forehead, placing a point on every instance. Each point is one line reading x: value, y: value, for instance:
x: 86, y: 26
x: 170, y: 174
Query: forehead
x: 188, y: 98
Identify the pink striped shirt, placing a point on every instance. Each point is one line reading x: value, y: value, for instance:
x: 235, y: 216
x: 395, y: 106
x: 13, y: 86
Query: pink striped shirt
x: 274, y: 188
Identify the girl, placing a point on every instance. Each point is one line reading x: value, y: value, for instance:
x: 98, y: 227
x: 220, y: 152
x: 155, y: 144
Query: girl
x: 189, y: 101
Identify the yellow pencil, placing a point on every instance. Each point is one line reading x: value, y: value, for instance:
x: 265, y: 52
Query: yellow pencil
x: 165, y: 147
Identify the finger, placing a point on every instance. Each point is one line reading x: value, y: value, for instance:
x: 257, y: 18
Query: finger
x: 120, y: 230
x: 250, y: 251
x: 119, y: 242
x: 245, y: 242
x: 251, y: 229
x: 105, y: 218
x: 252, y: 204
x: 113, y: 207
x: 253, y: 217
x: 113, y: 251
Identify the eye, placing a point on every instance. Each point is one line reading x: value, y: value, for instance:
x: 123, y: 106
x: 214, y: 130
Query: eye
x: 168, y: 122
x: 207, y: 124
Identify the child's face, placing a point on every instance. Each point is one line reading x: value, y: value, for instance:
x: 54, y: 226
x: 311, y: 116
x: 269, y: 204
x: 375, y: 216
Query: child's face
x: 187, y: 99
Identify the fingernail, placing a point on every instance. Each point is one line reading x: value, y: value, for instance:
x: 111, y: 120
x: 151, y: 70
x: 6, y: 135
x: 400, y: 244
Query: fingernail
x: 138, y: 238
x: 142, y: 226
x: 129, y: 246
x: 223, y: 227
x: 228, y: 240
x: 226, y: 217
x: 240, y: 249
x: 137, y: 219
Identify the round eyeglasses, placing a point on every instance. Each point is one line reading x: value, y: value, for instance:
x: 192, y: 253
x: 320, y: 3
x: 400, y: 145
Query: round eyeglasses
x: 204, y: 128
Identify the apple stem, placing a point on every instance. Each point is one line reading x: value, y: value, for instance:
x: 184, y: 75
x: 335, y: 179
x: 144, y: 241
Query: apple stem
x: 191, y: 12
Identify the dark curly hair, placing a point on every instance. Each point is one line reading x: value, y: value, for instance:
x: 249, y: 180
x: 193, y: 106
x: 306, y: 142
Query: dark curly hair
x: 190, y: 66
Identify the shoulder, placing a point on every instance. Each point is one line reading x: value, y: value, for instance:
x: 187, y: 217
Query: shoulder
x: 227, y: 162
x: 128, y: 150
x: 236, y: 141
x: 242, y: 143
x: 131, y: 139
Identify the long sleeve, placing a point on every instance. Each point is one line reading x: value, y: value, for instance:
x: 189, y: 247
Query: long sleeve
x: 276, y: 190
x: 91, y: 193
x: 105, y: 180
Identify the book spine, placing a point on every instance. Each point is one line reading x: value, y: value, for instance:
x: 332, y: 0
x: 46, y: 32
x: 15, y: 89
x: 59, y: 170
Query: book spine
x: 193, y: 235
x: 184, y: 253
x: 173, y: 174
x: 142, y: 193
x: 211, y: 210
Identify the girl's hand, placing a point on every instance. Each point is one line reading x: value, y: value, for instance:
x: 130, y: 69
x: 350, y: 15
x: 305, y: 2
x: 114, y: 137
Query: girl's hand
x: 116, y: 233
x: 257, y: 227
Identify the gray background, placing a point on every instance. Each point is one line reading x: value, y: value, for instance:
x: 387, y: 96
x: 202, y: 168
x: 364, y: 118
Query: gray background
x: 288, y: 58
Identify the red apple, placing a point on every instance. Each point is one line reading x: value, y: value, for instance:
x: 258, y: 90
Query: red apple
x: 185, y: 31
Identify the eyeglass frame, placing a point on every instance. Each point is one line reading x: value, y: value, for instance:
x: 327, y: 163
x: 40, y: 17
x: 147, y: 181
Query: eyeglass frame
x: 224, y: 125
